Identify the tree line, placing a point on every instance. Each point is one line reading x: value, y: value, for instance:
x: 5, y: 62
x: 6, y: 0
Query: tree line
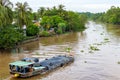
x: 22, y: 23
x: 110, y: 16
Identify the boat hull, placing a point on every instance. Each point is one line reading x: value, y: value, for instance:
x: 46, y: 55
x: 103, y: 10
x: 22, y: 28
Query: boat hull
x: 46, y: 66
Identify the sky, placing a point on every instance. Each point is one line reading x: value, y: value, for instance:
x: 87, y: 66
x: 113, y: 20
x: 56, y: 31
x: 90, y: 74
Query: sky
x: 93, y: 6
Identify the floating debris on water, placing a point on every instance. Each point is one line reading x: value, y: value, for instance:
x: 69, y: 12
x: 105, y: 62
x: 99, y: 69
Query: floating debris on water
x: 91, y: 52
x: 68, y: 49
x: 93, y: 48
x: 82, y: 51
x: 101, y: 34
x: 106, y: 39
x: 118, y: 62
x: 97, y: 44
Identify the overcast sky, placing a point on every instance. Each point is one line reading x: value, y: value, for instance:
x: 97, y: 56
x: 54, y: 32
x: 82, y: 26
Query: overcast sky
x: 74, y: 5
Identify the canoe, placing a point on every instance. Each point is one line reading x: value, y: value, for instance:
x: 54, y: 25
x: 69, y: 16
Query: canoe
x: 28, y: 67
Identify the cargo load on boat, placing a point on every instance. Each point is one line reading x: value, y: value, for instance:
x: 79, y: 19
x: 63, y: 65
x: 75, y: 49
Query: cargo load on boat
x: 32, y: 66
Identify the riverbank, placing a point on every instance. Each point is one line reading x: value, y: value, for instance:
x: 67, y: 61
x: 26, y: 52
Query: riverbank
x: 36, y: 38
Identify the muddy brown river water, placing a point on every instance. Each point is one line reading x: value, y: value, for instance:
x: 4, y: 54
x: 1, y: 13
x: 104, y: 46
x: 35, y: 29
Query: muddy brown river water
x: 96, y: 51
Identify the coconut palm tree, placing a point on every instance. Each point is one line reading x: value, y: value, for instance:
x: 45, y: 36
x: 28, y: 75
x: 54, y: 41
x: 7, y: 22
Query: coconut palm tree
x: 6, y: 3
x: 61, y: 9
x: 54, y: 8
x: 41, y: 11
x: 6, y: 14
x: 23, y: 14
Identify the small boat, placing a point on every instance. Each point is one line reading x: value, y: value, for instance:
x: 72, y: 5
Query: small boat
x: 28, y: 67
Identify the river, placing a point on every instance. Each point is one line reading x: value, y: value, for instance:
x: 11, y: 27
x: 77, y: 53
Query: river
x: 96, y: 51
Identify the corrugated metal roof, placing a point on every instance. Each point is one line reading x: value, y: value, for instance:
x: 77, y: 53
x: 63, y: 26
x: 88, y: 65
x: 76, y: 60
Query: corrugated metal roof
x: 21, y: 63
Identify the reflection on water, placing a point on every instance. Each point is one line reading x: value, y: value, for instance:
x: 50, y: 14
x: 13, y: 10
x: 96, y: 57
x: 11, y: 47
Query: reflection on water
x: 59, y: 39
x: 31, y: 46
x: 113, y: 29
x: 88, y: 65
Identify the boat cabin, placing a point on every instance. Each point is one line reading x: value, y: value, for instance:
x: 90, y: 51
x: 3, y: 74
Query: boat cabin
x: 25, y: 67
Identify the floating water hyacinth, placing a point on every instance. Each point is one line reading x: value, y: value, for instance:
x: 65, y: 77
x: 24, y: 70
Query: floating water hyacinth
x: 68, y: 49
x: 106, y: 39
x: 93, y: 48
x: 82, y: 51
x: 118, y: 62
x: 91, y: 52
x: 101, y: 33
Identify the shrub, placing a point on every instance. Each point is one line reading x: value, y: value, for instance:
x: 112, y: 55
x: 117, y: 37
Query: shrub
x: 62, y: 26
x: 32, y: 30
x: 76, y: 22
x: 59, y: 31
x: 9, y: 37
x: 44, y: 33
x: 51, y: 21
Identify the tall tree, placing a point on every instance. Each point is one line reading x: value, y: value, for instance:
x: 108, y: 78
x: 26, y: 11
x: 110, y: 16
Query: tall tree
x: 61, y: 9
x: 6, y: 13
x: 23, y: 14
x: 41, y: 11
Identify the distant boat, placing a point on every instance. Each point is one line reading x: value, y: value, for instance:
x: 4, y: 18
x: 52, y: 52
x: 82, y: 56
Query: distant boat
x: 31, y: 66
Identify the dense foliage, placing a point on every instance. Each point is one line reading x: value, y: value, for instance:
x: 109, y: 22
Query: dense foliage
x: 62, y: 27
x: 10, y: 37
x: 23, y: 14
x: 6, y: 14
x: 51, y: 21
x: 20, y: 24
x: 32, y: 30
x: 111, y: 16
x: 52, y: 17
x: 75, y: 21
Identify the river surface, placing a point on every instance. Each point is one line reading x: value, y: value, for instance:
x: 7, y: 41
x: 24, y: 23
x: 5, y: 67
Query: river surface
x: 96, y: 51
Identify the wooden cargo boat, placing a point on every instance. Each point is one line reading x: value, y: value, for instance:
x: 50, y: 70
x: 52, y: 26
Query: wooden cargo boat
x: 31, y: 66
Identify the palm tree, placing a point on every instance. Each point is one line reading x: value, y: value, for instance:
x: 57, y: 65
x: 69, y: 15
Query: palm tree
x: 23, y: 14
x: 54, y: 8
x: 61, y: 9
x: 6, y: 3
x: 6, y: 14
x: 41, y: 11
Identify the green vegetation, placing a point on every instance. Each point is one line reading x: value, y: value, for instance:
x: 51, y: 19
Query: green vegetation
x: 68, y: 49
x: 44, y: 34
x: 10, y: 37
x: 6, y: 14
x: 71, y: 21
x: 82, y: 51
x: 51, y: 21
x: 75, y: 21
x: 94, y: 48
x: 23, y: 24
x: 111, y: 16
x: 118, y: 62
x: 32, y: 30
x: 23, y: 14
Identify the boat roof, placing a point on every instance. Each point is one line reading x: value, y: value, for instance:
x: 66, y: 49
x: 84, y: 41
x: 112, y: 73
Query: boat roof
x: 20, y: 63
